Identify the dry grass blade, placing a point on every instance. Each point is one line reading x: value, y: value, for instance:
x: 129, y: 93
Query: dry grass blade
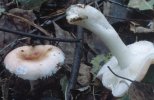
x: 29, y: 22
x: 54, y: 14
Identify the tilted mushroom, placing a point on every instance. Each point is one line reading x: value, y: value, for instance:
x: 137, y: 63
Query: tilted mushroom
x: 130, y: 61
x: 34, y: 62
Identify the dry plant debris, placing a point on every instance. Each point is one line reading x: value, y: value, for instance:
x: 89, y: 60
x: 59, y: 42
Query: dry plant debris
x: 43, y: 22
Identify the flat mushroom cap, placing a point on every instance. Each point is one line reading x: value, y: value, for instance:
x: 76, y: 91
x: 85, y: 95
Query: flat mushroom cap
x: 34, y: 62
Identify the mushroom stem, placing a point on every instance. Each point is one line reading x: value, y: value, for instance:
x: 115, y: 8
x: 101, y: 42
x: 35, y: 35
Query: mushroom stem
x: 32, y: 84
x: 96, y: 22
x: 112, y: 41
x: 131, y: 62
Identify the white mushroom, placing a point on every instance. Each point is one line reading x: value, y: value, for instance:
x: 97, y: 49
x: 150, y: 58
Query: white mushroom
x: 130, y: 61
x: 34, y: 62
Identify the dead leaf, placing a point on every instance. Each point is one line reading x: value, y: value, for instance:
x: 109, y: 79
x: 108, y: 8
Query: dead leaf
x: 20, y: 24
x: 18, y: 17
x: 95, y: 46
x: 95, y: 43
x: 141, y: 91
x: 14, y: 24
x: 28, y: 14
x: 141, y: 4
x: 30, y: 4
x: 136, y: 28
x: 97, y: 63
x: 84, y: 76
x: 68, y: 48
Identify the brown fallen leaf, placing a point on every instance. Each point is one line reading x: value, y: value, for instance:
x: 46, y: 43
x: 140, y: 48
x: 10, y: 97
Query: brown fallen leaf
x: 141, y: 91
x: 18, y: 16
x: 68, y: 48
x: 84, y: 76
x: 14, y: 24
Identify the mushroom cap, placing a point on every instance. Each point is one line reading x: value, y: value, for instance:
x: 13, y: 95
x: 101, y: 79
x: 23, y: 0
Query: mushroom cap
x: 83, y: 15
x: 34, y: 62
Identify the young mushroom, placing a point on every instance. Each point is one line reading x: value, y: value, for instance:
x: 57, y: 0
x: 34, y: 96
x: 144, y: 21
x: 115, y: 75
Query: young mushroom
x: 130, y: 61
x: 34, y: 62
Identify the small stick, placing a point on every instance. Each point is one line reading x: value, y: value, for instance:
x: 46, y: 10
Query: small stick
x: 120, y: 76
x: 76, y: 64
x: 29, y: 22
x: 39, y: 36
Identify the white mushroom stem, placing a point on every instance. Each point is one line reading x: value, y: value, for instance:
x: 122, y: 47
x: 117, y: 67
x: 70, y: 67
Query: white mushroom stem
x: 104, y: 30
x: 32, y: 84
x: 112, y: 41
x: 130, y: 61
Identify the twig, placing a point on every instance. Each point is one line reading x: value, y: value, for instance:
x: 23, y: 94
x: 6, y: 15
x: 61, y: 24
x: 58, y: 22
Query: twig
x: 47, y: 22
x: 10, y: 44
x: 54, y: 14
x: 38, y: 36
x: 29, y: 22
x: 76, y: 64
x: 93, y: 93
x: 120, y: 76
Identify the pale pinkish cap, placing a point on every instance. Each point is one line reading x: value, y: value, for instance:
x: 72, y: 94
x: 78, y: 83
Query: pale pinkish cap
x: 34, y: 62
